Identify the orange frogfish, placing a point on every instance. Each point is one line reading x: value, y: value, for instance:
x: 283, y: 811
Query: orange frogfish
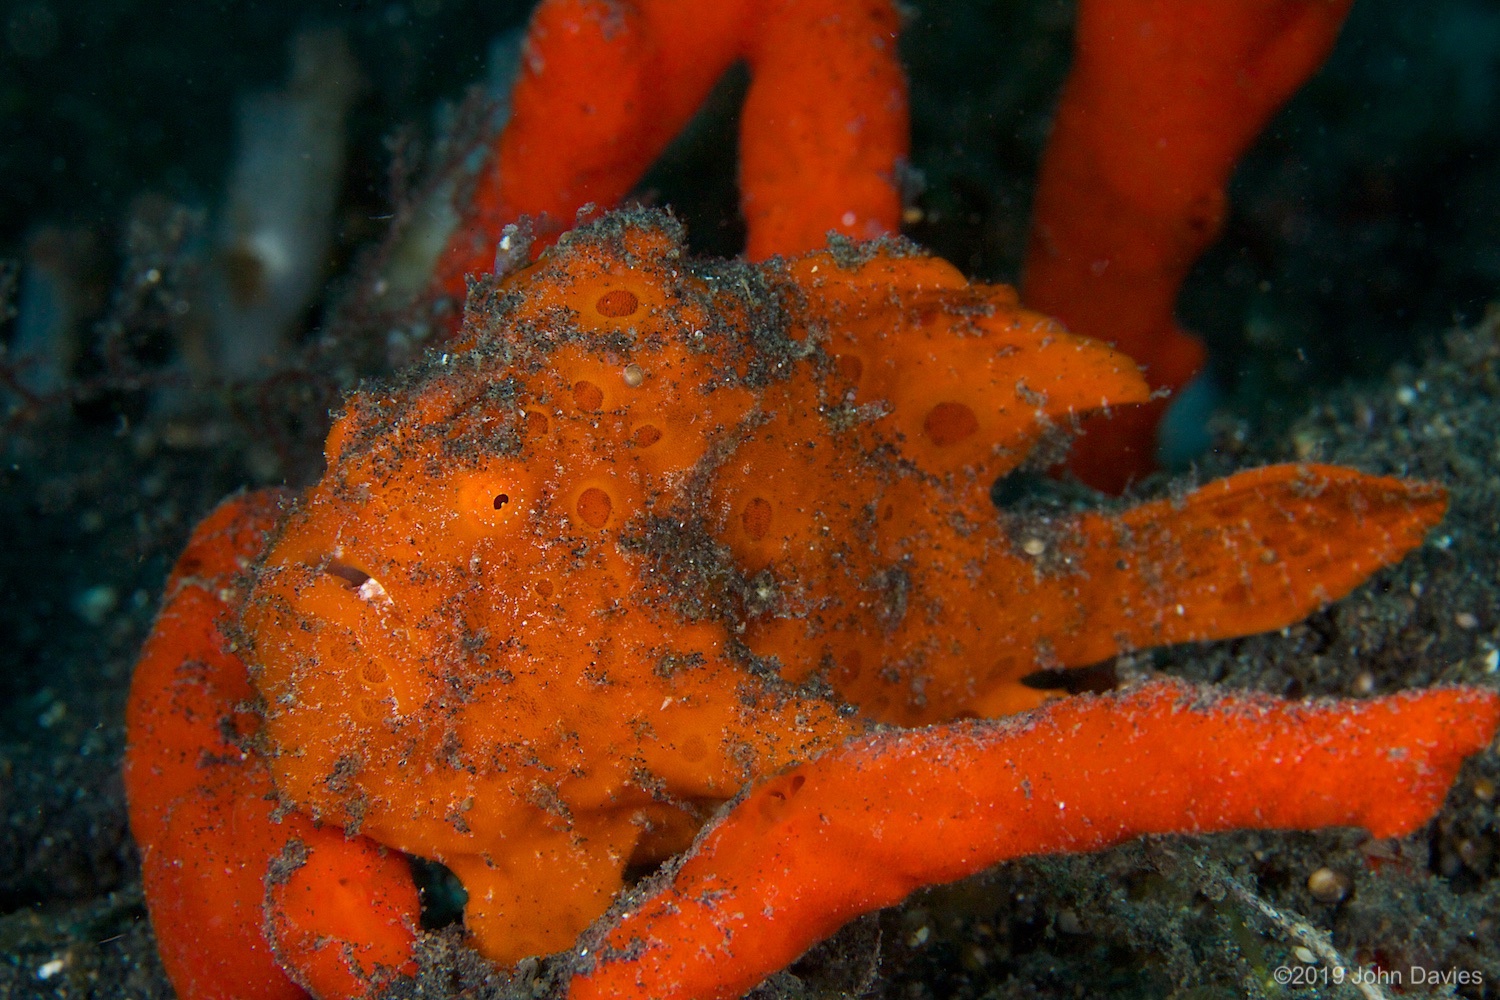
x: 655, y: 526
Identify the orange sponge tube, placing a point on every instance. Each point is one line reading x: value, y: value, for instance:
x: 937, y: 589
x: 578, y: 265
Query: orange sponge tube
x: 1163, y: 98
x: 198, y: 801
x: 203, y: 808
x: 862, y: 827
x: 605, y: 86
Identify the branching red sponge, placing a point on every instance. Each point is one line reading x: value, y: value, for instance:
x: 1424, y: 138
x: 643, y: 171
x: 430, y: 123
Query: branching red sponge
x: 864, y: 826
x: 606, y: 84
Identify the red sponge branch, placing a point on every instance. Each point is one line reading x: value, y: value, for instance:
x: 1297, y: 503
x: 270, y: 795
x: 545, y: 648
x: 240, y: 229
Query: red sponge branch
x: 204, y: 811
x: 606, y: 84
x: 1163, y: 98
x: 862, y: 827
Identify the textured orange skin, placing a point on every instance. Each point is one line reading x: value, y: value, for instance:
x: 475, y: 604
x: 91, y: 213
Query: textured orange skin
x: 1163, y: 97
x: 606, y: 84
x: 864, y: 826
x: 511, y: 628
